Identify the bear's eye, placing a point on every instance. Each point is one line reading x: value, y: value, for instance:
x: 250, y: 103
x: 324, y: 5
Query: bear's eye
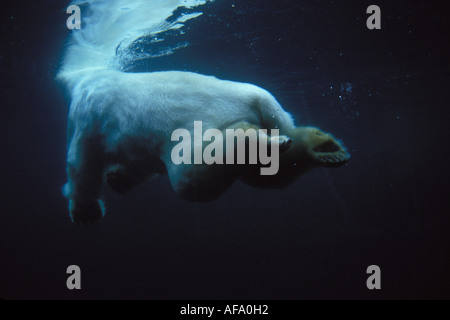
x: 329, y: 146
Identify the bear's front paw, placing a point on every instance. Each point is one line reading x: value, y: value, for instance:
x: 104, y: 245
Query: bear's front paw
x: 90, y: 211
x: 283, y: 141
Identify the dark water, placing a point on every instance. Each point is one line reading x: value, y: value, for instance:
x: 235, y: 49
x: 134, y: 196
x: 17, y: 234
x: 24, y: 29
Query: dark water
x: 384, y: 93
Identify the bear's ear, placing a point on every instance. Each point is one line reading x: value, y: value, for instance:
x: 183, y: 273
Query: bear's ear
x: 327, y: 151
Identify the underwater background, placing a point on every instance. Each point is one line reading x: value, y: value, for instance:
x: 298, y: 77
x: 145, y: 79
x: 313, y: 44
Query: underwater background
x: 384, y: 93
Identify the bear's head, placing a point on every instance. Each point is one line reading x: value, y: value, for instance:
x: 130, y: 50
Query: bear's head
x: 310, y: 148
x: 322, y: 149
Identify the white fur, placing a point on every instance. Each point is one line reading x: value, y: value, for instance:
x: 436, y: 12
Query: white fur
x: 128, y: 118
x: 123, y: 111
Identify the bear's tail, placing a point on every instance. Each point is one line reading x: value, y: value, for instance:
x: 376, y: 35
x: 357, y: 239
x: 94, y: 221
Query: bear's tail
x: 110, y: 27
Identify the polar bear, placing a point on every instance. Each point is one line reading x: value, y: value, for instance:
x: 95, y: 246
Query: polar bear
x: 120, y: 131
x: 121, y: 124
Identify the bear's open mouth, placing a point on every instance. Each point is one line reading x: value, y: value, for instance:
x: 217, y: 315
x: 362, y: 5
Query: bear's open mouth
x: 328, y: 147
x: 331, y: 154
x: 334, y: 159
